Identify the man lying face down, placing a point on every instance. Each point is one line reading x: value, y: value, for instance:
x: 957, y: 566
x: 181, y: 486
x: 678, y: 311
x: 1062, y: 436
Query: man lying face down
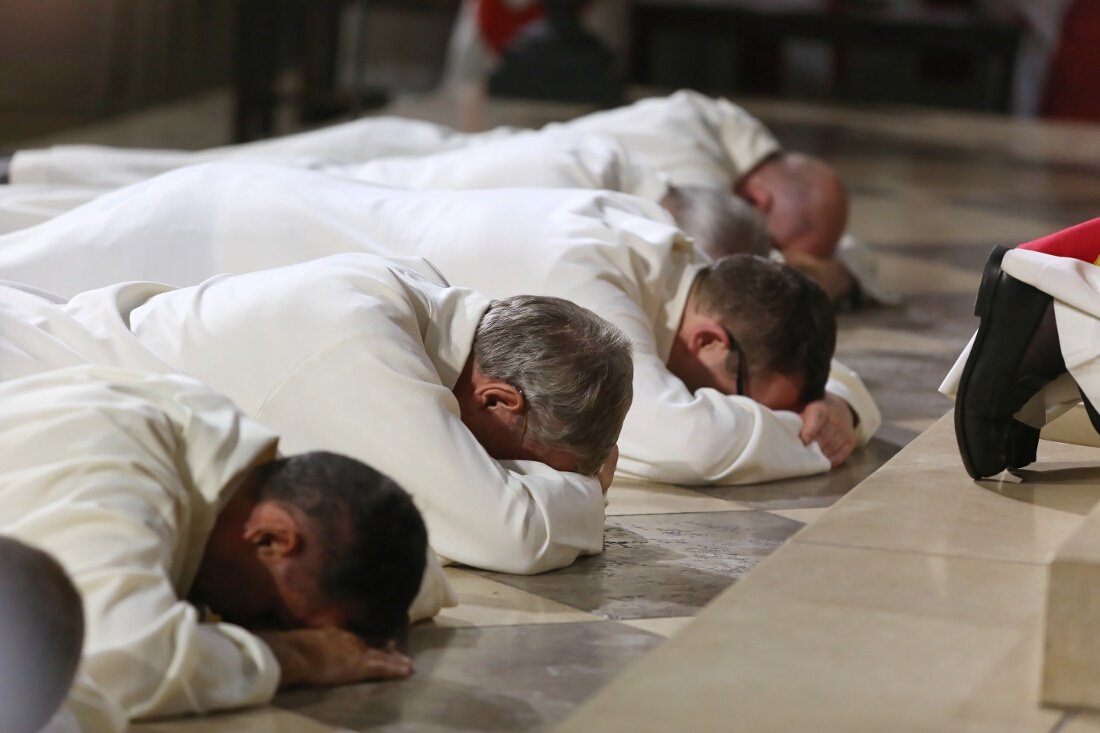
x: 618, y: 255
x: 211, y: 571
x: 690, y: 139
x: 499, y: 417
x: 719, y: 222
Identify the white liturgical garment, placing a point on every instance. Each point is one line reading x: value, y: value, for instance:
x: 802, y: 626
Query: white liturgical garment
x: 358, y: 355
x: 526, y: 159
x: 692, y: 138
x: 1074, y: 287
x: 120, y: 476
x: 685, y: 138
x: 617, y: 255
x: 39, y: 332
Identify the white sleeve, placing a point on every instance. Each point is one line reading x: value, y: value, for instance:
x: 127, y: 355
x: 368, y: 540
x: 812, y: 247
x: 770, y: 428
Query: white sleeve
x: 96, y: 166
x: 846, y: 384
x: 675, y: 436
x: 744, y: 138
x: 86, y: 709
x: 375, y: 397
x: 435, y: 592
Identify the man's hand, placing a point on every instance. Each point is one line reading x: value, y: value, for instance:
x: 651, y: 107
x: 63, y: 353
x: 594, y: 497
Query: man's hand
x: 832, y: 424
x: 833, y: 278
x: 328, y: 657
x: 607, y: 471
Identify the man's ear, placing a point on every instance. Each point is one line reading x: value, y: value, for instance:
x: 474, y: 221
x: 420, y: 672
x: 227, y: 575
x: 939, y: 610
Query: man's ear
x: 498, y: 395
x: 756, y: 192
x: 707, y: 334
x: 274, y: 530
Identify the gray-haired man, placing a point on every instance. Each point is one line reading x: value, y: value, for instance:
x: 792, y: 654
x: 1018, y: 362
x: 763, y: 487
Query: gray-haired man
x: 618, y: 255
x: 499, y: 417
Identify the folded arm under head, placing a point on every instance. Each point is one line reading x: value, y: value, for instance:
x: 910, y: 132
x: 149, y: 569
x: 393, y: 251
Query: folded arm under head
x: 548, y: 381
x: 41, y: 634
x: 324, y: 555
x: 773, y: 317
x: 803, y: 201
x: 720, y: 223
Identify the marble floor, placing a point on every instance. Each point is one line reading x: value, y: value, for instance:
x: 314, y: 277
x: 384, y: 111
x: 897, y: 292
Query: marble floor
x: 932, y: 193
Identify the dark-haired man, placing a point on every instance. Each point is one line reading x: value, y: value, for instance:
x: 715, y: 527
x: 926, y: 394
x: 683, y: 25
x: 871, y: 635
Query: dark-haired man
x: 617, y: 255
x: 211, y: 572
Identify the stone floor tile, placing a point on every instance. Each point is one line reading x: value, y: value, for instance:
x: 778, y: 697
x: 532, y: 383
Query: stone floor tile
x: 485, y: 602
x: 810, y: 491
x: 661, y: 565
x: 627, y: 496
x: 506, y: 679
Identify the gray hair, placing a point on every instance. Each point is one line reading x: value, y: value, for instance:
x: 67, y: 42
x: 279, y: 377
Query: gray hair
x: 720, y: 222
x: 574, y: 369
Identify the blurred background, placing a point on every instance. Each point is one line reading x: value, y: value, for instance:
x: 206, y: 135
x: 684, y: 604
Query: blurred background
x: 253, y: 68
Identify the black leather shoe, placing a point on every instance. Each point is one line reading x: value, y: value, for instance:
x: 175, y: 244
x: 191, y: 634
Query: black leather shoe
x: 995, y: 382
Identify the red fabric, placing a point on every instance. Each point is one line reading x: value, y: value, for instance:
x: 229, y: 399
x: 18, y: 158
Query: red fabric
x: 1073, y: 81
x: 1081, y: 242
x: 500, y: 23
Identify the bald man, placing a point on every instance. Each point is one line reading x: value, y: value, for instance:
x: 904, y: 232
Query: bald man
x: 693, y: 139
x: 618, y: 255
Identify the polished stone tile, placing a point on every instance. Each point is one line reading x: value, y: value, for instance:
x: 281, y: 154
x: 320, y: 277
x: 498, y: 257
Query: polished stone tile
x: 856, y: 337
x: 905, y: 386
x: 969, y: 257
x: 1010, y: 519
x: 661, y: 565
x: 261, y: 720
x: 919, y: 219
x: 666, y: 627
x: 917, y: 424
x: 946, y: 316
x: 805, y: 515
x: 810, y: 491
x: 839, y: 639
x: 627, y: 496
x: 1080, y: 721
x: 485, y: 602
x: 504, y: 678
x: 907, y: 274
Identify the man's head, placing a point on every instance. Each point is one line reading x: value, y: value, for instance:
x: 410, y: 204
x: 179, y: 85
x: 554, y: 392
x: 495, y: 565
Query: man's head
x: 720, y: 223
x: 42, y: 622
x: 803, y: 201
x: 325, y: 540
x: 547, y: 381
x: 759, y: 328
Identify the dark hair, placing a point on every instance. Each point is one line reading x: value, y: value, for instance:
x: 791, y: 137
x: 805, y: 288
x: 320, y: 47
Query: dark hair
x: 376, y: 542
x: 782, y: 318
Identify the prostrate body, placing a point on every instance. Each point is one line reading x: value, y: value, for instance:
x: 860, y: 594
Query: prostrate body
x: 618, y: 255
x: 357, y: 355
x: 146, y: 488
